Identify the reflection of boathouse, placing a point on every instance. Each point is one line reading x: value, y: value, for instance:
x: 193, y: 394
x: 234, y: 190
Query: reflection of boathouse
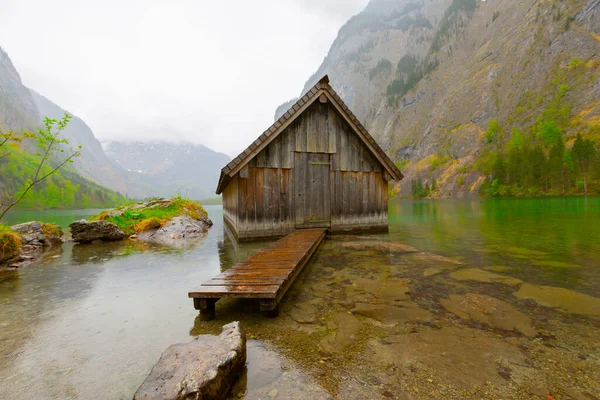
x: 317, y: 166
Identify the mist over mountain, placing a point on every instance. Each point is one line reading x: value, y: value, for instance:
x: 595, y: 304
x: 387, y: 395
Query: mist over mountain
x: 186, y: 168
x: 137, y: 169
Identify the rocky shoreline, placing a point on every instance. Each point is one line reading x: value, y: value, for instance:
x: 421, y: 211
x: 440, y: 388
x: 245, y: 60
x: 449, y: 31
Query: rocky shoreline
x: 37, y: 238
x: 184, y: 228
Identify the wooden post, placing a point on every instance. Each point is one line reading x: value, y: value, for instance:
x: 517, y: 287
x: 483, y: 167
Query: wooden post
x: 270, y: 307
x: 206, y: 308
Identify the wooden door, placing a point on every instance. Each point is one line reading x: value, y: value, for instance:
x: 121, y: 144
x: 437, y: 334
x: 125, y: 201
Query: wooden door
x: 312, y: 191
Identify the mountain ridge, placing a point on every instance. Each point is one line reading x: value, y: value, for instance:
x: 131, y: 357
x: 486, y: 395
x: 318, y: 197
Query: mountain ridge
x: 429, y: 77
x: 22, y: 109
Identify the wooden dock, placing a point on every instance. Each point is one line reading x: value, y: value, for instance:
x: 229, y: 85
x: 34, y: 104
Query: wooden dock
x: 266, y: 275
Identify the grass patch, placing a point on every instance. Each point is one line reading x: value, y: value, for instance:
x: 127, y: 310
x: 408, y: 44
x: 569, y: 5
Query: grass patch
x: 132, y: 219
x: 149, y: 224
x: 10, y: 242
x: 51, y: 230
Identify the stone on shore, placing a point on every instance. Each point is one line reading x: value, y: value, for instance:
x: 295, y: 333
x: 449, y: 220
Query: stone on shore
x: 205, y: 368
x: 178, y: 231
x: 84, y: 231
x: 37, y: 237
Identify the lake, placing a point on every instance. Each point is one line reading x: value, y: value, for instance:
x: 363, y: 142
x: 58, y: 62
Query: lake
x: 60, y: 217
x: 490, y: 298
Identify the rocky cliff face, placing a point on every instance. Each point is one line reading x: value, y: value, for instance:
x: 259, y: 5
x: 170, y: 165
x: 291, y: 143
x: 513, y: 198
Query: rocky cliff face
x: 427, y: 77
x: 17, y: 109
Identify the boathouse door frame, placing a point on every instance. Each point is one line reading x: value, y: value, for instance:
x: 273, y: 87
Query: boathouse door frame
x: 312, y: 190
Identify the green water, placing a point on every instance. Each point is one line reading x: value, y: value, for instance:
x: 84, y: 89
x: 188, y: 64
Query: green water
x: 371, y: 316
x: 59, y: 217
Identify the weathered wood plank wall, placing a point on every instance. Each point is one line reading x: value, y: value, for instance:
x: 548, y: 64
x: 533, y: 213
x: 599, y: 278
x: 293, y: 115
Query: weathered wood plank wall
x: 230, y: 203
x: 359, y: 201
x: 263, y: 203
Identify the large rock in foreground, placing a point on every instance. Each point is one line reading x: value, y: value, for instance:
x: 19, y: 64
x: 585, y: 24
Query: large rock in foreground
x: 84, y: 231
x: 204, y: 368
x: 180, y: 230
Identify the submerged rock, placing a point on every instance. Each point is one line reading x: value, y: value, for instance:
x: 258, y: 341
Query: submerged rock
x: 431, y: 271
x: 455, y: 355
x: 385, y: 290
x: 344, y: 329
x: 304, y: 313
x: 497, y: 268
x: 391, y: 315
x: 269, y: 374
x: 562, y: 299
x: 84, y: 231
x: 480, y: 275
x: 179, y: 230
x: 205, y: 368
x: 489, y: 311
x: 554, y: 264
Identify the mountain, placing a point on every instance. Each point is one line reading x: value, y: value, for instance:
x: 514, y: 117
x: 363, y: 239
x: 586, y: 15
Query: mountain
x: 21, y: 110
x: 451, y: 87
x: 93, y: 163
x: 190, y: 169
x: 17, y: 108
x: 137, y: 170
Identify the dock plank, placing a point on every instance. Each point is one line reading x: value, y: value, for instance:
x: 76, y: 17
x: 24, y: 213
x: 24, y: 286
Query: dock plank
x: 267, y: 274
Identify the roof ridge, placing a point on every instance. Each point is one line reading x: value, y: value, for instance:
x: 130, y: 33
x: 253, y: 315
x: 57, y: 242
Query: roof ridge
x: 294, y: 109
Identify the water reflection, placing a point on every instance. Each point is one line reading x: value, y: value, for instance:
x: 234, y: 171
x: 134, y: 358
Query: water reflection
x: 91, y: 321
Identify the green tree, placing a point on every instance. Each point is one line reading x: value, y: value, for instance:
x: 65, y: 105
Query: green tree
x: 500, y: 170
x: 51, y: 153
x: 584, y: 158
x: 550, y: 132
x: 515, y: 166
x: 493, y: 131
x: 556, y: 166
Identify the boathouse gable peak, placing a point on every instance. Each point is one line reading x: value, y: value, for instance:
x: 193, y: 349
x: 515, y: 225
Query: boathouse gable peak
x: 323, y: 93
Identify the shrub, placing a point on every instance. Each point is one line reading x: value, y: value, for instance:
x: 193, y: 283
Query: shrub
x: 10, y: 243
x: 460, y: 180
x: 493, y: 130
x: 51, y: 229
x: 383, y: 67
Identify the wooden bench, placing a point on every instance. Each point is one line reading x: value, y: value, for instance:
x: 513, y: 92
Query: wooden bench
x: 266, y: 275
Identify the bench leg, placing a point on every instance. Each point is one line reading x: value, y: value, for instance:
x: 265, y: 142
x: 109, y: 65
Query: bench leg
x: 270, y: 307
x: 206, y: 308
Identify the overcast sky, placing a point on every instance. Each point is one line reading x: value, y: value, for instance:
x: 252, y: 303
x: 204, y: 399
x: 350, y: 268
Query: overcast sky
x: 206, y: 72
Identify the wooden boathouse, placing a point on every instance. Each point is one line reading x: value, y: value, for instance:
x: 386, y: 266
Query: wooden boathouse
x: 315, y: 167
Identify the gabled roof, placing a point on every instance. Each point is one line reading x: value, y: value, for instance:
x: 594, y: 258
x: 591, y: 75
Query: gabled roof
x: 322, y: 87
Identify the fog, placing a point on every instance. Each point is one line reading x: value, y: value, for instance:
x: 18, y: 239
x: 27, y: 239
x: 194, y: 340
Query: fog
x: 210, y: 73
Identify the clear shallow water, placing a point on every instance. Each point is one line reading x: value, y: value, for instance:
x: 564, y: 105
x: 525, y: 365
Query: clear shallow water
x: 90, y: 322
